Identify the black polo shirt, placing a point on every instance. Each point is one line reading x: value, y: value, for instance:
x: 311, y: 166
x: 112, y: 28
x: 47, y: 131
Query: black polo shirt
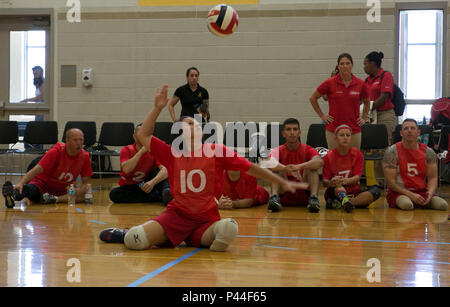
x: 190, y: 100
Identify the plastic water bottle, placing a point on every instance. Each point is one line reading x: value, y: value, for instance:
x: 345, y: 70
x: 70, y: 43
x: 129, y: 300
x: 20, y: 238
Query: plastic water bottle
x: 71, y: 196
x: 88, y: 197
x: 78, y: 182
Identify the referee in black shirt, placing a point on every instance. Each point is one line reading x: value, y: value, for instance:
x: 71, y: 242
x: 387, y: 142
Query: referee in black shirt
x: 194, y: 98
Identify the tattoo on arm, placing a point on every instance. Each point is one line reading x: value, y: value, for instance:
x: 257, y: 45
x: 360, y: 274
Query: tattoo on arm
x: 390, y: 159
x: 430, y: 155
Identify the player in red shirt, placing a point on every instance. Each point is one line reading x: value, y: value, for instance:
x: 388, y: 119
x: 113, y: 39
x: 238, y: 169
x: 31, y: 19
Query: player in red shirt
x: 241, y: 191
x: 381, y: 90
x: 142, y: 178
x: 47, y: 182
x: 345, y: 93
x: 342, y: 170
x: 298, y: 162
x: 410, y: 171
x: 196, y: 182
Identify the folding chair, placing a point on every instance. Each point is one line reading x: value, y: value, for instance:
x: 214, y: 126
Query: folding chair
x: 316, y: 136
x: 243, y: 138
x: 9, y: 135
x: 112, y: 134
x: 373, y: 137
x: 89, y: 129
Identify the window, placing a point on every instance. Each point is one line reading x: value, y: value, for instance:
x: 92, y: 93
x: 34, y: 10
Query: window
x: 421, y: 59
x: 27, y: 49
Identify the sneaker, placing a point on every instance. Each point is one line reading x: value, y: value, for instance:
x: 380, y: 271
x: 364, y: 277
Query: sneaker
x: 113, y: 235
x: 313, y: 205
x: 274, y: 204
x: 333, y: 204
x: 166, y: 197
x: 347, y: 205
x: 48, y: 199
x: 8, y: 192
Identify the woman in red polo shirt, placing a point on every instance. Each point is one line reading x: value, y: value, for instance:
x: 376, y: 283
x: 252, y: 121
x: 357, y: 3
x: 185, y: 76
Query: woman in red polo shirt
x: 381, y: 89
x: 345, y: 93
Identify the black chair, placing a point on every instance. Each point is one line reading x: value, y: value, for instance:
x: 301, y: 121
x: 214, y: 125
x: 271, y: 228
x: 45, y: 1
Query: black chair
x: 374, y: 137
x: 112, y: 134
x: 163, y: 131
x: 316, y: 136
x: 212, y: 133
x: 9, y: 134
x: 396, y: 137
x: 89, y: 129
x: 40, y: 133
x: 242, y: 138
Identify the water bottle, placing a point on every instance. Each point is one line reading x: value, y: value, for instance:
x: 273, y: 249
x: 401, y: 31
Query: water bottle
x: 78, y: 182
x: 88, y: 197
x: 71, y: 195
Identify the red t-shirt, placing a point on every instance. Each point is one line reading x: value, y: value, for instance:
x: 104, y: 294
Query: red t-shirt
x: 145, y: 164
x: 385, y: 86
x: 60, y: 169
x: 196, y: 182
x: 347, y: 166
x: 344, y: 101
x: 245, y: 187
x: 413, y: 166
x: 285, y: 156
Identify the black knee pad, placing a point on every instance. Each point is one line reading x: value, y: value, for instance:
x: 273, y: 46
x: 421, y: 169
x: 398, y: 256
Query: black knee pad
x: 375, y: 191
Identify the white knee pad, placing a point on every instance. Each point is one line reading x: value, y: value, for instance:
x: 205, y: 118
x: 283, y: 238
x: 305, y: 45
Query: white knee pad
x: 438, y: 203
x: 225, y: 231
x: 136, y: 238
x: 403, y: 202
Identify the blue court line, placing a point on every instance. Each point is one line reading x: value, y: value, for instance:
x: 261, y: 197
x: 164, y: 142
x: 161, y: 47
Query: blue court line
x: 97, y: 222
x: 79, y: 210
x: 427, y: 261
x: 280, y: 247
x: 336, y: 239
x: 163, y: 268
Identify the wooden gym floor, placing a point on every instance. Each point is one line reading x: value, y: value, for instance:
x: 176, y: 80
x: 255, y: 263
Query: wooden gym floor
x: 53, y: 245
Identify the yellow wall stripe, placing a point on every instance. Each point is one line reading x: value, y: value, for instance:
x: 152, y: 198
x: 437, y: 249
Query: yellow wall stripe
x: 193, y: 2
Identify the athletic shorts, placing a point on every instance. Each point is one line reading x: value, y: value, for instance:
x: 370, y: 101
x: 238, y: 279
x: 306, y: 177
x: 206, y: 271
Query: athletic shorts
x: 179, y: 227
x: 355, y: 191
x: 391, y: 197
x: 262, y: 196
x: 47, y: 188
x: 299, y: 198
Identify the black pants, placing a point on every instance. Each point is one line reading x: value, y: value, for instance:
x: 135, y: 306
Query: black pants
x: 134, y: 194
x: 30, y: 191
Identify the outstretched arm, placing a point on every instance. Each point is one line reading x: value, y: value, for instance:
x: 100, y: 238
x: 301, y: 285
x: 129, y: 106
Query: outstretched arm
x: 267, y: 175
x: 148, y: 126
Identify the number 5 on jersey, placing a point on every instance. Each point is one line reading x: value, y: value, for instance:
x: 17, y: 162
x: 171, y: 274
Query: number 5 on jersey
x: 412, y: 169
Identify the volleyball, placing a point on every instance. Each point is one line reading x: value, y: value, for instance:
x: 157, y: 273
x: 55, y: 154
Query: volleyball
x: 222, y: 20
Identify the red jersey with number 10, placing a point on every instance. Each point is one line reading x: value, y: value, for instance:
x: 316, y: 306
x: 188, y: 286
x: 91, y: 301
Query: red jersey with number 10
x: 196, y: 181
x: 413, y: 166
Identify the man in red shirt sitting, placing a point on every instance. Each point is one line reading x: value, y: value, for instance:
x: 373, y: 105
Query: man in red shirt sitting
x: 47, y: 182
x: 410, y: 170
x: 142, y: 178
x: 297, y: 162
x: 241, y: 190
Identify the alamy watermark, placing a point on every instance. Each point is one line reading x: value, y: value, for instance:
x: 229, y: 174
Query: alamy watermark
x: 74, y: 13
x: 74, y: 273
x: 374, y: 274
x: 374, y: 13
